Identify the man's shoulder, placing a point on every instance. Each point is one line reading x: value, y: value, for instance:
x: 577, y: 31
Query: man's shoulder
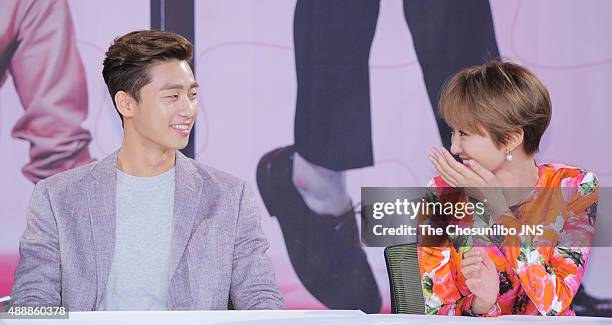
x: 217, y: 179
x: 70, y: 179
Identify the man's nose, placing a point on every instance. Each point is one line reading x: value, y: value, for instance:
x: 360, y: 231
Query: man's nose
x: 188, y: 108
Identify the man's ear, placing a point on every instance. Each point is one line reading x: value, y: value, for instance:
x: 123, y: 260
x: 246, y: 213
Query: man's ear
x: 126, y: 104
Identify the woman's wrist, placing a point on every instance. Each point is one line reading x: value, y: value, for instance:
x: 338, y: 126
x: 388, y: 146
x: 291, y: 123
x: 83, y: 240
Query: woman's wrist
x: 481, y: 306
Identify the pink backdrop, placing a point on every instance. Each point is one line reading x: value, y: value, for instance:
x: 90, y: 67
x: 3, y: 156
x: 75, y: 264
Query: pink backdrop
x: 246, y: 70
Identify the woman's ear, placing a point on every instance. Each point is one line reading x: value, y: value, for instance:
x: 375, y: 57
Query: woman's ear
x: 516, y: 139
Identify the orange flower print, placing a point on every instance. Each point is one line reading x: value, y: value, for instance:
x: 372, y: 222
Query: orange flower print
x: 447, y: 292
x: 430, y: 258
x: 563, y: 266
x: 541, y: 288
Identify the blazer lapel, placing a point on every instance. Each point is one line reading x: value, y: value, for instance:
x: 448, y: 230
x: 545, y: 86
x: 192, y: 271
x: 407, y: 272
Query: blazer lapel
x: 187, y: 194
x: 101, y: 196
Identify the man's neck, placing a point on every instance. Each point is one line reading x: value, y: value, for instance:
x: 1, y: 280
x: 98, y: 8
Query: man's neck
x: 144, y: 161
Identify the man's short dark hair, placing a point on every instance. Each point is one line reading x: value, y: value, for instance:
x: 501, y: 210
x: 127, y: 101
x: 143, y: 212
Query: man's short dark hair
x: 127, y: 61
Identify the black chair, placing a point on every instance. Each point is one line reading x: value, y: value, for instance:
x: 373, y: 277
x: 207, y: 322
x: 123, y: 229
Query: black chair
x: 404, y: 279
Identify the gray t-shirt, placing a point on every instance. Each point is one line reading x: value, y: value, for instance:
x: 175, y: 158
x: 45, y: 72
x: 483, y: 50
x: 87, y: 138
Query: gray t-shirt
x: 139, y: 275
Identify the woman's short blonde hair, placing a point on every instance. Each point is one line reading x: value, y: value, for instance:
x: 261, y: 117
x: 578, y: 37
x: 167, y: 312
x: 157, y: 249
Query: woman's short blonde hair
x: 499, y: 99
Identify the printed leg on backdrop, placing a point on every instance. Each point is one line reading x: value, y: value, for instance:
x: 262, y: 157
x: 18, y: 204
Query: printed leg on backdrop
x: 332, y: 134
x: 449, y: 35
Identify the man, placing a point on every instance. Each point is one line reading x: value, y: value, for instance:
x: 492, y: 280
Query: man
x: 146, y: 228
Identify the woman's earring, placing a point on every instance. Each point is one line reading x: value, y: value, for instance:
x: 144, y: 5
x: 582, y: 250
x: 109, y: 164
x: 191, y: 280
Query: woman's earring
x: 508, y: 155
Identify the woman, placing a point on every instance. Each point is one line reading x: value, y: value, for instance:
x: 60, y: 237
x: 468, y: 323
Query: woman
x: 498, y: 113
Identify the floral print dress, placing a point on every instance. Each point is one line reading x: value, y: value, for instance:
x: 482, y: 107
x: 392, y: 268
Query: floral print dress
x: 538, y: 276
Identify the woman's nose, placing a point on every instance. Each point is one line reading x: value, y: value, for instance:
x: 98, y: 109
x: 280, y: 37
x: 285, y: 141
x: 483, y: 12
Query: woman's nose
x: 455, y: 148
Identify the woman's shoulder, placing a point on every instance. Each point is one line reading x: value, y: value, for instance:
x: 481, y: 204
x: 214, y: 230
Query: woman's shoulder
x: 437, y: 182
x: 566, y: 175
x: 439, y: 187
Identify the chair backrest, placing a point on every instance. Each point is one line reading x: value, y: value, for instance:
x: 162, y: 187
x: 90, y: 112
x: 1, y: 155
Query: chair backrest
x: 404, y: 279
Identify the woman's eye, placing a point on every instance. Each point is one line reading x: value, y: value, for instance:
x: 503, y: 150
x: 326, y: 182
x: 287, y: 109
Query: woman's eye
x: 462, y: 133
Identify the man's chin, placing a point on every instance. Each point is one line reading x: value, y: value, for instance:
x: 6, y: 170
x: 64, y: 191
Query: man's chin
x: 180, y: 146
x: 176, y: 146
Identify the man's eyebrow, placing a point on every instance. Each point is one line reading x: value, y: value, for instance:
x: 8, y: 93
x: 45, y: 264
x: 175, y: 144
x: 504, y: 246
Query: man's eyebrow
x: 178, y: 86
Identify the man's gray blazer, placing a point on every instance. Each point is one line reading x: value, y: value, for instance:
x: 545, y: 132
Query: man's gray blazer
x: 218, y: 250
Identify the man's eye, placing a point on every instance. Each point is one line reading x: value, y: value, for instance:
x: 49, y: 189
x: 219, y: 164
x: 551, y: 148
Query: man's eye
x: 462, y: 133
x: 172, y: 96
